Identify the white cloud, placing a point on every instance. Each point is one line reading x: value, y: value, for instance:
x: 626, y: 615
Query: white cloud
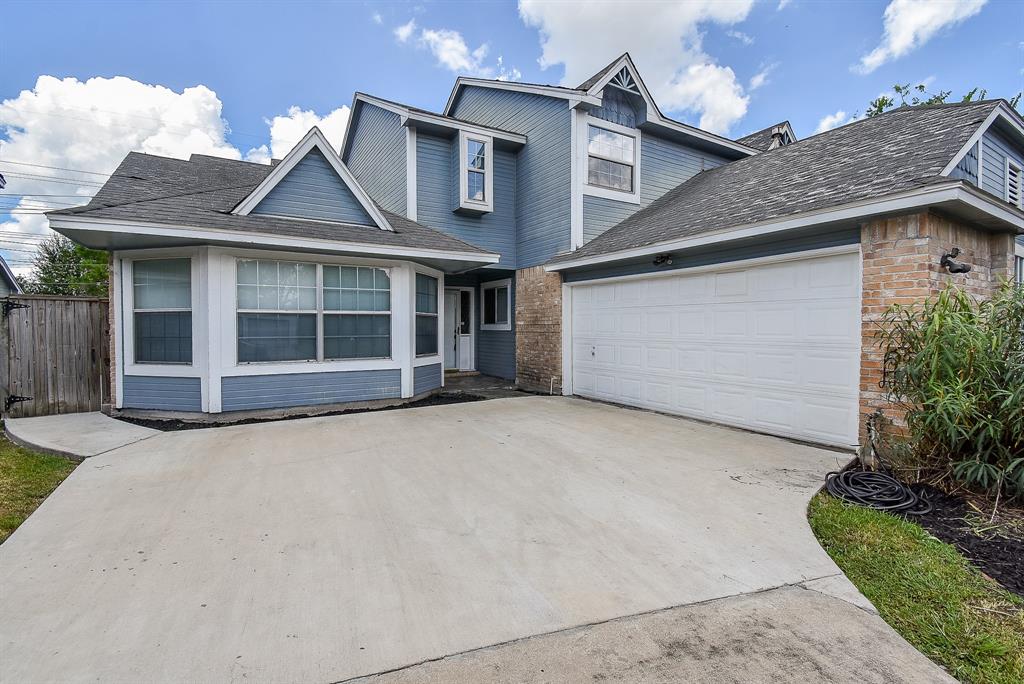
x: 452, y: 52
x: 839, y: 118
x: 288, y: 129
x: 740, y: 36
x: 909, y: 24
x: 761, y: 77
x: 405, y: 31
x: 377, y: 19
x: 664, y: 39
x: 91, y: 125
x: 783, y: 4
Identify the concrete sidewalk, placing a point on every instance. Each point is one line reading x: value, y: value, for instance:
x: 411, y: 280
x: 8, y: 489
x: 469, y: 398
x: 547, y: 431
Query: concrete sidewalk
x: 75, y: 435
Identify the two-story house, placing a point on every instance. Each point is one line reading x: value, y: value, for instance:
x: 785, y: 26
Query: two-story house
x: 574, y: 239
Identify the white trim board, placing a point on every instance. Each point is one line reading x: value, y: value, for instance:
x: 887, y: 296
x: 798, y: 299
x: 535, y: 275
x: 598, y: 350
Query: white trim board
x: 313, y: 139
x: 955, y: 190
x: 250, y: 239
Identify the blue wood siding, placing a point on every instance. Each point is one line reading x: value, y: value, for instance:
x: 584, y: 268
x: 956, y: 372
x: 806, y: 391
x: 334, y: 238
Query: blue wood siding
x: 313, y: 190
x: 816, y: 238
x: 996, y: 147
x: 617, y: 108
x: 601, y: 213
x: 435, y: 179
x: 495, y: 349
x: 967, y: 169
x: 162, y: 393
x: 664, y: 164
x: 244, y: 392
x: 543, y: 200
x: 426, y: 378
x: 376, y: 156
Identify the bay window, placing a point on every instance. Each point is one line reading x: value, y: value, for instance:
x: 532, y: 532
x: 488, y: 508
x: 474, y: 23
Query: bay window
x: 162, y: 316
x: 611, y: 159
x: 426, y: 315
x: 295, y: 311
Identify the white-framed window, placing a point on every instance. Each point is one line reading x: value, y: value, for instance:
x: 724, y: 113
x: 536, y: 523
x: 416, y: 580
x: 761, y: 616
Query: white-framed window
x: 476, y: 172
x: 299, y: 311
x: 611, y: 158
x: 1014, y: 192
x: 496, y: 305
x: 426, y: 315
x: 1018, y: 270
x: 162, y: 311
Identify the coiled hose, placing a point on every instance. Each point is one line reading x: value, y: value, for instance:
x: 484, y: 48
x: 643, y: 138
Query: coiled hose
x: 876, y: 490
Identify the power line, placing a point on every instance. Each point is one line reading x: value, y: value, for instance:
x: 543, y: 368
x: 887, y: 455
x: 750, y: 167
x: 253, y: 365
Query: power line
x: 53, y: 179
x: 55, y: 168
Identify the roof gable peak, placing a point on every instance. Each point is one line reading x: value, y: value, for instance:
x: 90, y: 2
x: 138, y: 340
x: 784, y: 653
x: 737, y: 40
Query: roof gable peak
x: 313, y: 140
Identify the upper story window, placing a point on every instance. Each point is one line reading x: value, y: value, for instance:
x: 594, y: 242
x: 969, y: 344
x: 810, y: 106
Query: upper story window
x: 162, y: 303
x: 611, y: 159
x: 1013, y: 183
x: 476, y: 173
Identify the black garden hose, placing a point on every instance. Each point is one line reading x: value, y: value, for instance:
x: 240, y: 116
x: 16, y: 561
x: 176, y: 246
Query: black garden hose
x: 876, y: 490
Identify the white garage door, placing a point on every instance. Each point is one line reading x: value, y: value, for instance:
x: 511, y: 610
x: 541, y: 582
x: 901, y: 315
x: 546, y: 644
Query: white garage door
x: 773, y: 348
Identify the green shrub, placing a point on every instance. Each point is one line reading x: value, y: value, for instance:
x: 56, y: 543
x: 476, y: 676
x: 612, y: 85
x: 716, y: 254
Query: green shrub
x: 955, y: 365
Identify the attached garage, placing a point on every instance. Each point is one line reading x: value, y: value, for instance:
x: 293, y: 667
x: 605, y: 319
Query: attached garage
x: 767, y: 345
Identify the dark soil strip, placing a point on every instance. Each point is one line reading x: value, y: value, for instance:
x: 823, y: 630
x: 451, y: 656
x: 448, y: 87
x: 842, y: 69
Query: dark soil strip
x: 999, y: 557
x: 172, y: 425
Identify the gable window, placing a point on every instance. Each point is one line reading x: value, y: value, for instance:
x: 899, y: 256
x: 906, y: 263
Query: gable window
x: 476, y: 182
x: 611, y: 159
x: 1013, y: 183
x: 426, y: 315
x: 496, y: 305
x: 162, y: 302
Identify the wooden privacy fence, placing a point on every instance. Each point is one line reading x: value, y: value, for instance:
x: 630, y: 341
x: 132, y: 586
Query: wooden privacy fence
x: 57, y: 356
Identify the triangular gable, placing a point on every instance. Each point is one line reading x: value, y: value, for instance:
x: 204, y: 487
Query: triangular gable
x: 623, y: 74
x: 1012, y: 122
x: 311, y: 182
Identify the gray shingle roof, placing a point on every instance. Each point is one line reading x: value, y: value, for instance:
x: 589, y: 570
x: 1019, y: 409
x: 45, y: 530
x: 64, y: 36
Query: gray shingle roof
x: 900, y: 150
x: 760, y: 140
x: 586, y: 85
x: 202, y: 191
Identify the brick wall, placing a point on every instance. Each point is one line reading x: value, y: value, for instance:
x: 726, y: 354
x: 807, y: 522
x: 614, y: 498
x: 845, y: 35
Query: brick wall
x: 538, y: 329
x: 901, y: 265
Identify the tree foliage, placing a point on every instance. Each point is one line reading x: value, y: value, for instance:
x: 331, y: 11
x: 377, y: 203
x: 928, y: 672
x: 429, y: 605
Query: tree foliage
x: 62, y: 267
x: 955, y: 365
x: 912, y: 96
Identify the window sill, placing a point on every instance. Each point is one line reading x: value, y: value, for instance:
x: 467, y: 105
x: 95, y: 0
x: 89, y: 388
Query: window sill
x: 608, y: 193
x: 496, y: 327
x: 473, y: 209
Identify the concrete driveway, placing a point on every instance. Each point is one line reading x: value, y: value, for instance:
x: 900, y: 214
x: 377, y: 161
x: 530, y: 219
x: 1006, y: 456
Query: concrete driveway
x: 325, y: 549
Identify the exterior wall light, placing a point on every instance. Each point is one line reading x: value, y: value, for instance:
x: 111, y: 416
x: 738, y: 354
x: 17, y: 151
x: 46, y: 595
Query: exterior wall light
x: 950, y: 264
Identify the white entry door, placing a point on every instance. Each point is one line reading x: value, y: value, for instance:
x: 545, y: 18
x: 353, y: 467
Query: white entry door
x: 772, y: 347
x: 458, y: 321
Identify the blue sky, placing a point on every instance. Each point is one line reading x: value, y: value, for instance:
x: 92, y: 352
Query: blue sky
x: 733, y: 67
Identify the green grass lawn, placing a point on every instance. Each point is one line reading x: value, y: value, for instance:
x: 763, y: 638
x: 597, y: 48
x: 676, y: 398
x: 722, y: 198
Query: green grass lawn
x: 926, y: 590
x: 26, y: 478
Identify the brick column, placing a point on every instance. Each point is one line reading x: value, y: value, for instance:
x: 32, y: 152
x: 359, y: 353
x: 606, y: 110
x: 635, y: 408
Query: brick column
x: 538, y: 329
x: 901, y: 266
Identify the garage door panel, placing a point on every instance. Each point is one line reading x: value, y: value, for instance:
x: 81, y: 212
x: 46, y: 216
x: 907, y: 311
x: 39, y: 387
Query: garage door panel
x: 773, y: 348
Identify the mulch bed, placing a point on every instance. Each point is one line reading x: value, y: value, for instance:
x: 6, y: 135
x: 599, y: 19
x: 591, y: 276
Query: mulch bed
x: 997, y: 548
x: 172, y: 425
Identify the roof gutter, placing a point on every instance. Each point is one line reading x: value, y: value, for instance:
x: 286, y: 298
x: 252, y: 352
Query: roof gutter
x: 953, y: 191
x: 72, y: 224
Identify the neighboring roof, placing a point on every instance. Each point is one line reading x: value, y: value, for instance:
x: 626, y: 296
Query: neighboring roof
x: 203, y: 191
x: 762, y: 139
x: 8, y: 275
x: 901, y: 150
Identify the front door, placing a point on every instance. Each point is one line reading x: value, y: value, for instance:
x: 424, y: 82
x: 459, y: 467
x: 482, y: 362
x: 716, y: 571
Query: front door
x: 458, y: 326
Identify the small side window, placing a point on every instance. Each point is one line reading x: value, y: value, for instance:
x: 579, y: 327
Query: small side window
x: 476, y: 173
x: 1013, y: 183
x: 162, y: 303
x: 496, y: 305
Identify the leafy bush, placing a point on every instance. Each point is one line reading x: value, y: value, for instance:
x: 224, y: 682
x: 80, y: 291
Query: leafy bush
x: 955, y: 365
